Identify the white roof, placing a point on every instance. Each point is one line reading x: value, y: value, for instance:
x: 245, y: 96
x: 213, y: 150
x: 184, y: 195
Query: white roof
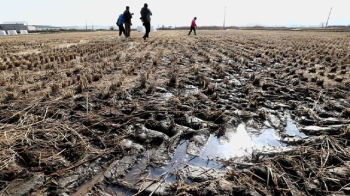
x: 16, y: 22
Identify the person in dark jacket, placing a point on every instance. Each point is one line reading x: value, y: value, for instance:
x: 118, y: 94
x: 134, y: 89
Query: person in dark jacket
x: 193, y: 26
x: 120, y: 23
x: 127, y: 21
x: 146, y: 19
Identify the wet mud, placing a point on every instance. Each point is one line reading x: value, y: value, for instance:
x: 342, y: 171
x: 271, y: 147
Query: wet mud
x: 221, y: 113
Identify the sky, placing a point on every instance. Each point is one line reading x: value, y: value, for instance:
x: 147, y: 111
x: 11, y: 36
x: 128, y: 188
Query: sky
x: 178, y: 12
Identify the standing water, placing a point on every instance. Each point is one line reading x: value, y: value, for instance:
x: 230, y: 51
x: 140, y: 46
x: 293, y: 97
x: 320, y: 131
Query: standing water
x: 236, y: 142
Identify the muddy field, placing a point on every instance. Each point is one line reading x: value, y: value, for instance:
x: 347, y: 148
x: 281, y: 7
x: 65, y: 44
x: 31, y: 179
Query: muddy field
x: 222, y: 113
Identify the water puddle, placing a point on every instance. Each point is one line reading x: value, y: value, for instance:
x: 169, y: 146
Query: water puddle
x: 181, y: 159
x: 268, y: 138
x: 292, y: 130
x: 168, y: 172
x: 237, y: 142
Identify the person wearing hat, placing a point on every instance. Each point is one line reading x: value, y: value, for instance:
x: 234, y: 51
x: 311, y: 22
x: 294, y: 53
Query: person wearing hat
x: 146, y: 19
x: 193, y: 26
x: 127, y: 21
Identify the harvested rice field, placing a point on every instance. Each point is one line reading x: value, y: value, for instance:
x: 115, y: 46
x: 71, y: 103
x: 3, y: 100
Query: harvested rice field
x: 234, y: 112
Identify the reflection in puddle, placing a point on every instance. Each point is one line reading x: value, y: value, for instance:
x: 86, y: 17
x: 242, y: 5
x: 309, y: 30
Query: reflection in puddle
x: 292, y: 130
x: 231, y: 145
x: 237, y: 142
x: 169, y: 171
x: 268, y: 138
x: 181, y: 158
x: 142, y: 170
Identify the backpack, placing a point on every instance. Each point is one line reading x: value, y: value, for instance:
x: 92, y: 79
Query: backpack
x: 120, y: 20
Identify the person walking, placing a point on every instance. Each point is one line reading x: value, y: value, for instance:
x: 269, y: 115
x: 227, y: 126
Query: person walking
x: 146, y: 19
x: 127, y: 21
x: 193, y: 26
x: 120, y: 24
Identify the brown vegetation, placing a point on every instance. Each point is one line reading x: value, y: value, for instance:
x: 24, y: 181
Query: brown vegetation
x: 69, y: 102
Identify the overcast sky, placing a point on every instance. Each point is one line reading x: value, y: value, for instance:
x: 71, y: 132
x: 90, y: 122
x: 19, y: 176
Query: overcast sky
x: 178, y: 12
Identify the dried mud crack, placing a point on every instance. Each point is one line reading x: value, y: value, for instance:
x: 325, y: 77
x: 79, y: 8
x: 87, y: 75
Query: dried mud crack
x: 236, y: 112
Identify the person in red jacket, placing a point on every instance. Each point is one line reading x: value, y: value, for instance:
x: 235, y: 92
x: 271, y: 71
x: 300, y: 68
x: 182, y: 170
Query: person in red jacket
x: 193, y: 26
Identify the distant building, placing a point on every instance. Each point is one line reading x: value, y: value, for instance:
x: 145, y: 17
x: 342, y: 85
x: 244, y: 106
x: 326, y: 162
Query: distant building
x: 17, y: 25
x: 46, y: 27
x: 23, y: 25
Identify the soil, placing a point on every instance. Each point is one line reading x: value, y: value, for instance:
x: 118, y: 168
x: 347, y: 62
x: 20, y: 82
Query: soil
x: 92, y: 113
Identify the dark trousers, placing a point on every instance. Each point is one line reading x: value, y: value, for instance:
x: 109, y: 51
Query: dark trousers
x: 194, y: 30
x: 121, y: 30
x: 127, y: 29
x: 148, y: 29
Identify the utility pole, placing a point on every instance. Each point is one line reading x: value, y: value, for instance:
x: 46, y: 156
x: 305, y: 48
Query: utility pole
x: 224, y: 17
x: 92, y: 26
x: 328, y: 17
x: 85, y: 24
